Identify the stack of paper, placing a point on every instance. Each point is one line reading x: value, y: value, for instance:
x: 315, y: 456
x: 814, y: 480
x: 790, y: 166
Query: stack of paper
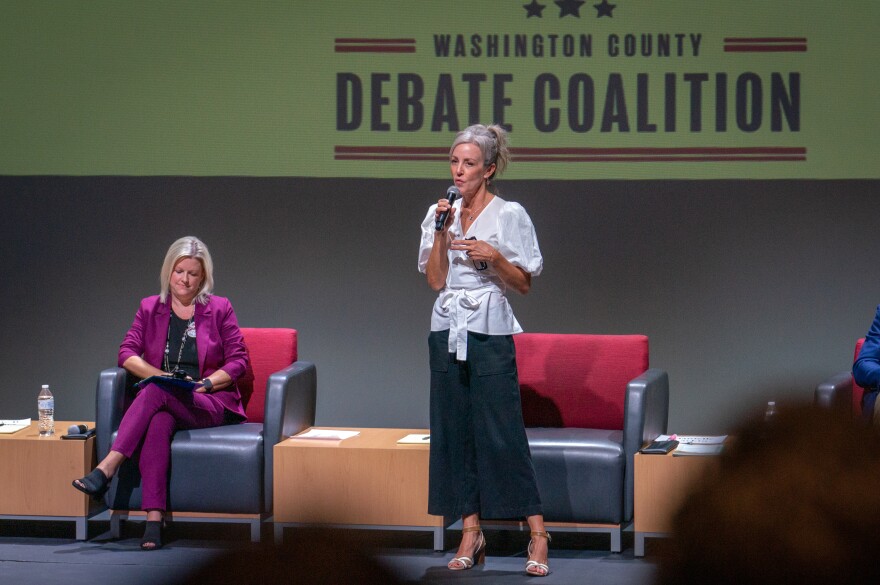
x: 701, y: 439
x: 696, y: 444
x: 694, y: 439
x: 697, y: 449
x: 13, y: 426
x: 415, y: 439
x: 329, y: 434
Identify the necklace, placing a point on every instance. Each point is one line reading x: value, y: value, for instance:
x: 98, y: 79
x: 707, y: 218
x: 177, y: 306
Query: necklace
x: 473, y: 214
x: 186, y: 331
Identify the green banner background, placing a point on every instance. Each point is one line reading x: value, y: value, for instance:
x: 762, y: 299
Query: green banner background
x: 242, y: 88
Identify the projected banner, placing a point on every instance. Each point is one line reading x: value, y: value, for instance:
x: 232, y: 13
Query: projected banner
x: 588, y: 89
x: 664, y: 88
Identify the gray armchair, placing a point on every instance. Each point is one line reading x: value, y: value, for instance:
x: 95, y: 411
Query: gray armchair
x: 589, y: 404
x: 219, y: 473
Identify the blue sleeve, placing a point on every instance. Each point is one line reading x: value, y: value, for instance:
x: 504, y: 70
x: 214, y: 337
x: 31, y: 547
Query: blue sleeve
x: 866, y: 370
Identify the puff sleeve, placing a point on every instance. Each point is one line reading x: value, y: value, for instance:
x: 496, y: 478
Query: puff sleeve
x: 517, y: 240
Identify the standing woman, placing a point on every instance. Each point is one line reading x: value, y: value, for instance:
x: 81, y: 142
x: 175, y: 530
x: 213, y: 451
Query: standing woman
x: 192, y: 333
x: 480, y: 462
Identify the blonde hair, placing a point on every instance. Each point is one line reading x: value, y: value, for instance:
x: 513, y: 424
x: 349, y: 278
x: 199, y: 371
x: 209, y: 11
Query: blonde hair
x: 188, y: 247
x: 492, y: 142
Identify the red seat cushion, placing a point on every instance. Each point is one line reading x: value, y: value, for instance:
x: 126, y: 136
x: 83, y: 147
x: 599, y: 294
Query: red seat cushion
x: 270, y: 350
x: 579, y: 381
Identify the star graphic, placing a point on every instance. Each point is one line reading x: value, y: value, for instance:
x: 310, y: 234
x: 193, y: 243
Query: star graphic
x: 604, y: 9
x: 571, y: 7
x: 534, y: 9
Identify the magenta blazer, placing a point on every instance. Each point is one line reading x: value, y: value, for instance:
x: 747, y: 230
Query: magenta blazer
x: 218, y: 339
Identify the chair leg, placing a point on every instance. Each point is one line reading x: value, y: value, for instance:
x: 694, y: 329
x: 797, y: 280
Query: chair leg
x: 440, y: 538
x: 616, y: 540
x: 115, y: 525
x: 82, y: 528
x: 256, y: 529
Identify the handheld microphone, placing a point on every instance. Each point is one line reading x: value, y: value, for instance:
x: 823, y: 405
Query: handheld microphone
x: 452, y: 193
x: 77, y: 429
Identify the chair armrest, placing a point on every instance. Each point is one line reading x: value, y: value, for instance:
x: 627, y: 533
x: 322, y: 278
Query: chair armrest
x: 290, y: 408
x: 836, y: 393
x: 645, y: 416
x: 112, y: 386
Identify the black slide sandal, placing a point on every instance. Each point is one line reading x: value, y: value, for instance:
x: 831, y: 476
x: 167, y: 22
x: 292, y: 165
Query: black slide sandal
x: 94, y: 484
x: 152, y: 539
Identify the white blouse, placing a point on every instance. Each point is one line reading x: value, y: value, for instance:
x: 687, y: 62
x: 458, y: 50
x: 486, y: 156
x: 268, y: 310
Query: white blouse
x: 473, y: 298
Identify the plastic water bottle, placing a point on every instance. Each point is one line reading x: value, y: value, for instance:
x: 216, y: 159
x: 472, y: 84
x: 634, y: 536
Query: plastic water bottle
x: 770, y: 413
x: 46, y: 410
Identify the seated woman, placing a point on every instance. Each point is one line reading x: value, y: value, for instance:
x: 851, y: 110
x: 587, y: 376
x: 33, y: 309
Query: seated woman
x: 184, y: 331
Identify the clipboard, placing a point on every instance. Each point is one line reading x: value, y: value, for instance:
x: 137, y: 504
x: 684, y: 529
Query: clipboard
x: 168, y: 382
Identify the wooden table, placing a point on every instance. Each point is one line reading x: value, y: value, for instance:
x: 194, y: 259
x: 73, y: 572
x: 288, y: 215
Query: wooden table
x: 37, y: 473
x: 366, y: 481
x: 662, y: 483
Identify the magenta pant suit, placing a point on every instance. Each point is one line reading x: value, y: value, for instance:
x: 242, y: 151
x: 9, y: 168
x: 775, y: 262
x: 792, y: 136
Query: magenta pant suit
x: 156, y: 413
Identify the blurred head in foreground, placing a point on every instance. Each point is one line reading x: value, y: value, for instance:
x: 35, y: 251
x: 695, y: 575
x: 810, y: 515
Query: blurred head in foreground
x: 793, y: 501
x: 317, y: 556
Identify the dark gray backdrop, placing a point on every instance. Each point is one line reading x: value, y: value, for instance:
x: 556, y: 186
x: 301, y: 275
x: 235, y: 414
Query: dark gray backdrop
x: 748, y: 290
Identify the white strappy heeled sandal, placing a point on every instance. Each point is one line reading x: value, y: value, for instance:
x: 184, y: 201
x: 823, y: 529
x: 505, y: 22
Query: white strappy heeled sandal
x: 479, y: 555
x: 535, y: 568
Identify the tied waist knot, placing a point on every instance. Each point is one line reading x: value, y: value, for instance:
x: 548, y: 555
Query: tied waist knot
x: 458, y: 303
